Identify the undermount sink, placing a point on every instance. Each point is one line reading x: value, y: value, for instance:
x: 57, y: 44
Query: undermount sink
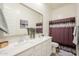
x: 19, y: 43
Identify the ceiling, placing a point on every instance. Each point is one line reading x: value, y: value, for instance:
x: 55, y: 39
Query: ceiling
x: 56, y: 5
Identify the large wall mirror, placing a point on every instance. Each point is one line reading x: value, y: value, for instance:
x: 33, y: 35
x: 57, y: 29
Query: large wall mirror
x: 19, y: 17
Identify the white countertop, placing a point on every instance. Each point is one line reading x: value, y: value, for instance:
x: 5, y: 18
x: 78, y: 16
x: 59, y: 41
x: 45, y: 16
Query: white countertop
x: 19, y: 46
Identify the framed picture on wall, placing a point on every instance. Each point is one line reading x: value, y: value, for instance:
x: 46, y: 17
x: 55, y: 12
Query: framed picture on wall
x: 23, y: 24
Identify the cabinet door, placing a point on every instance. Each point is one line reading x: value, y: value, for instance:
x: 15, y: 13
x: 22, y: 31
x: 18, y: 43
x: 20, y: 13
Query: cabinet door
x: 28, y: 52
x: 48, y: 47
x: 44, y: 52
x: 37, y: 50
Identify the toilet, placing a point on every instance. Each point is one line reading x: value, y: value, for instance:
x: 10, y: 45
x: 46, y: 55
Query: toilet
x: 54, y: 47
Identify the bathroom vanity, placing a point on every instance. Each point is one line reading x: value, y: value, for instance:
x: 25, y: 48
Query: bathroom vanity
x: 40, y: 46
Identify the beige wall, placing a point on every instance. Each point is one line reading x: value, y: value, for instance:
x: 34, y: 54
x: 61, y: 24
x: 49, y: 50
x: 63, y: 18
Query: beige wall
x: 64, y: 12
x: 77, y: 17
x: 14, y: 12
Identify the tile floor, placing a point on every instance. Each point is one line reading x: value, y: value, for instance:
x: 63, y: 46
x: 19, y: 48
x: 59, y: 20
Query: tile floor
x: 65, y: 51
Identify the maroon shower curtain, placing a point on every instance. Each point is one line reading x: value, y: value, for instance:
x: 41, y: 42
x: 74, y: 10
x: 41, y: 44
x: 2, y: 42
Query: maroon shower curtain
x: 62, y: 35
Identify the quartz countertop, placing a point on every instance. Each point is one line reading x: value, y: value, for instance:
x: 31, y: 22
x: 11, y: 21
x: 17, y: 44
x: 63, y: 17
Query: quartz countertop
x: 19, y: 46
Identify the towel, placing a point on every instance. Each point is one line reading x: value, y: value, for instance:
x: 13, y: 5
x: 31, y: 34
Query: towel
x: 75, y: 35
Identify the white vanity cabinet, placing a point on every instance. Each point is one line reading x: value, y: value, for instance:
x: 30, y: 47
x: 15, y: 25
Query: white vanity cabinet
x: 41, y: 49
x: 40, y: 46
x: 48, y: 48
x: 38, y: 50
x: 28, y: 52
